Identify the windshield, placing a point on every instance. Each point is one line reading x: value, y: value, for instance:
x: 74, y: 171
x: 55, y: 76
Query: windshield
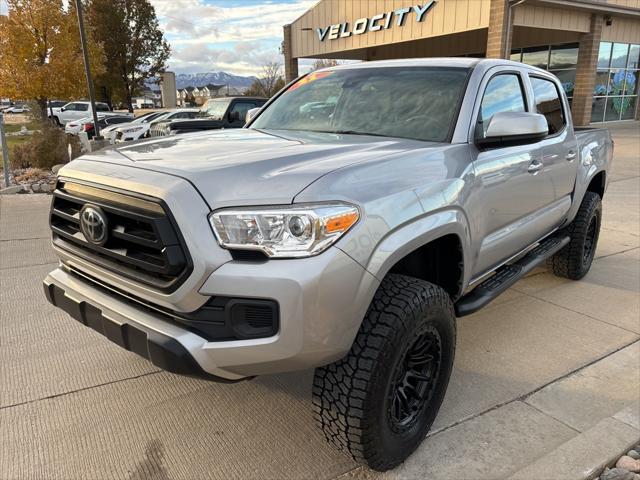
x: 420, y: 103
x: 215, y: 108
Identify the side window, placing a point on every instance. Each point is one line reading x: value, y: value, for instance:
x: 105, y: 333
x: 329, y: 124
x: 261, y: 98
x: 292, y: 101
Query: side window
x: 548, y: 103
x: 102, y: 107
x: 81, y: 107
x: 503, y: 94
x: 242, y: 108
x: 72, y: 107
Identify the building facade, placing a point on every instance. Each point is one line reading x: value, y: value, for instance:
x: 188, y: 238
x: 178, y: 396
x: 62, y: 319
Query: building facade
x: 593, y: 46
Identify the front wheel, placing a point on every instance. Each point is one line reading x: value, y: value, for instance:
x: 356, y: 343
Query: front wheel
x: 574, y: 260
x: 378, y: 403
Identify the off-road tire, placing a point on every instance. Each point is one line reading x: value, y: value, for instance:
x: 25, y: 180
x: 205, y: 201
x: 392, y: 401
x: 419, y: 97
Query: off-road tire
x: 353, y: 398
x: 574, y: 260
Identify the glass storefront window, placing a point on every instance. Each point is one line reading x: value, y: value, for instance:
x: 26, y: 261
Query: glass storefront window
x: 597, y: 109
x: 516, y: 55
x: 536, y: 56
x: 563, y: 56
x: 630, y: 108
x: 604, y: 55
x: 619, y: 55
x: 567, y: 78
x: 601, y: 86
x: 631, y: 82
x: 634, y: 57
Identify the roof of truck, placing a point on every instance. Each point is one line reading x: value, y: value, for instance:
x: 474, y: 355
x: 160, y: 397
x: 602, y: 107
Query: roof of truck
x: 462, y: 62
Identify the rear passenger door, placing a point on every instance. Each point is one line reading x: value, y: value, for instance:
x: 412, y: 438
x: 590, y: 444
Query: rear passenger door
x: 560, y: 148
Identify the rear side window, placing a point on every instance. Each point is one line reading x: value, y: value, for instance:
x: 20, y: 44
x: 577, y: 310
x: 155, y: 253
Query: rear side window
x: 548, y: 103
x: 503, y: 94
x: 81, y: 107
x: 102, y: 107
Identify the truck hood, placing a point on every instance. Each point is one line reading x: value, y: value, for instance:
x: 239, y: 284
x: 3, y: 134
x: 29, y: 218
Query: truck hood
x: 253, y: 167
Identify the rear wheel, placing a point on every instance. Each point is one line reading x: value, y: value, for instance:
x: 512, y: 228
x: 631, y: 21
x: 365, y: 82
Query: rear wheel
x: 574, y: 260
x: 378, y: 403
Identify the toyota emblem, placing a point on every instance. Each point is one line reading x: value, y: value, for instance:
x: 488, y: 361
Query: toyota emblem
x: 93, y: 224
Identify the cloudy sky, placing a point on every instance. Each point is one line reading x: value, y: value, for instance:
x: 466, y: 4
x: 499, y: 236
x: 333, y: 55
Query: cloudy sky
x: 235, y: 36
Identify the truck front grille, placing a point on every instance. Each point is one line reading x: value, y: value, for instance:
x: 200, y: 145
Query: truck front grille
x: 141, y: 243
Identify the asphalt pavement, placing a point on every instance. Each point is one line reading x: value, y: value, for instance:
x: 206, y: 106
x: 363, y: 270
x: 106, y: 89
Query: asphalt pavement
x: 545, y: 362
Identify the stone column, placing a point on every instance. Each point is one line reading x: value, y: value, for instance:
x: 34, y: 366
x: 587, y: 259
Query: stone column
x: 586, y: 72
x: 499, y: 34
x: 290, y: 63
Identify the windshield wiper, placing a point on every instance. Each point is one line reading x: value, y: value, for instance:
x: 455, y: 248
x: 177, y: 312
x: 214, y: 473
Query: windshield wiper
x: 350, y: 132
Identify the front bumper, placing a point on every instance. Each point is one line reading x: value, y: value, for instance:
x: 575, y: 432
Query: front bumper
x: 322, y: 301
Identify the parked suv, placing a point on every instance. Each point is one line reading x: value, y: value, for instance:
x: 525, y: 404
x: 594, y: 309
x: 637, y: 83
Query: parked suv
x: 216, y: 113
x: 345, y: 228
x: 76, y: 111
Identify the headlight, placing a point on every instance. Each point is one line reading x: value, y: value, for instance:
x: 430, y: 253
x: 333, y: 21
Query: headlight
x: 132, y: 129
x: 284, y: 232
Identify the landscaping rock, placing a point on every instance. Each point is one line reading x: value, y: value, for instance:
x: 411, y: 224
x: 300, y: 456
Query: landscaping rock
x: 35, y: 187
x: 628, y: 463
x: 618, y: 474
x: 46, y: 187
x: 633, y: 454
x: 11, y: 190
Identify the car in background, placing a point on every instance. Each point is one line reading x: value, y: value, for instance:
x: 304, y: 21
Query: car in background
x: 135, y: 132
x: 86, y: 124
x: 109, y: 132
x: 17, y: 109
x: 78, y: 110
x: 216, y: 113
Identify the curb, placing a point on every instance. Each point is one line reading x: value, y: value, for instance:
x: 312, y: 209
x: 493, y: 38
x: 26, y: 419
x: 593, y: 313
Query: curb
x: 586, y: 455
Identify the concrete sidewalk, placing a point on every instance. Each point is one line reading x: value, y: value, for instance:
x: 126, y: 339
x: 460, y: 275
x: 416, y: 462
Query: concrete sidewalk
x: 546, y: 363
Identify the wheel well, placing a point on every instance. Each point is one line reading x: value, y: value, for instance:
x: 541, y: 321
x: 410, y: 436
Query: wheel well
x: 440, y: 262
x: 597, y: 184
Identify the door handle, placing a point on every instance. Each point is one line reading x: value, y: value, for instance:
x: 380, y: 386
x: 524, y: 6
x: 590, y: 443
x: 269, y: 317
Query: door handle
x: 534, y: 167
x: 571, y: 156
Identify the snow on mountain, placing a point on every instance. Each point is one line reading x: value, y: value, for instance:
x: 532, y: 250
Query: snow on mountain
x: 236, y: 82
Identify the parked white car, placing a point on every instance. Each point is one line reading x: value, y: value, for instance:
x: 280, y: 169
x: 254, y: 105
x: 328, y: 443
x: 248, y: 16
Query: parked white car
x: 17, y: 109
x: 109, y: 133
x: 75, y: 127
x: 135, y: 132
x: 78, y: 110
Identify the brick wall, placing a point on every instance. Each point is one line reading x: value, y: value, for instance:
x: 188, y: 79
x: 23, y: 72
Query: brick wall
x: 498, y: 36
x: 586, y: 72
x: 290, y: 63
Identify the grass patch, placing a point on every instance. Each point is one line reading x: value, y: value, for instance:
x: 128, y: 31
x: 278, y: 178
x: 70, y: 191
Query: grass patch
x: 15, y: 127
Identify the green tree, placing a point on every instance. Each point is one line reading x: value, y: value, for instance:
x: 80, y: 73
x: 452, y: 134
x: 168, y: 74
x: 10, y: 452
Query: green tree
x: 40, y: 52
x: 134, y: 46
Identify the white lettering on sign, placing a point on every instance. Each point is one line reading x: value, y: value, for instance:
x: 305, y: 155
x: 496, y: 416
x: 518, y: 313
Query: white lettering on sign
x: 381, y: 21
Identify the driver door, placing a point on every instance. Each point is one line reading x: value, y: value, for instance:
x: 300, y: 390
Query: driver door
x: 513, y: 191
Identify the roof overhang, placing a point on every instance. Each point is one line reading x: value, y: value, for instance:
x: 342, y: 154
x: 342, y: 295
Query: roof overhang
x: 594, y: 6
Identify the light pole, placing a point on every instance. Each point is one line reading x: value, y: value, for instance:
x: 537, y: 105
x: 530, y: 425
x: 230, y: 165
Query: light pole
x: 5, y: 152
x: 87, y: 68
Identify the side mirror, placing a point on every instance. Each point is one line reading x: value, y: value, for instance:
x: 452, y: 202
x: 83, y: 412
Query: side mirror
x: 514, y: 128
x: 62, y: 109
x: 234, y: 116
x: 251, y: 113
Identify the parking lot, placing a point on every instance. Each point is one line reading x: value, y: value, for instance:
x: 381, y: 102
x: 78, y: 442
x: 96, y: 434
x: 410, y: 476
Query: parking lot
x: 544, y: 363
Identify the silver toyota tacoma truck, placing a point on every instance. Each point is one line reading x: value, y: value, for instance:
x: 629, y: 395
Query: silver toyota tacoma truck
x: 360, y: 212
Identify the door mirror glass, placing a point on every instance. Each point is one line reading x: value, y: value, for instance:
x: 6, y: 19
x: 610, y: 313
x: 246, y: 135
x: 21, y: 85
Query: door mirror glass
x: 514, y: 128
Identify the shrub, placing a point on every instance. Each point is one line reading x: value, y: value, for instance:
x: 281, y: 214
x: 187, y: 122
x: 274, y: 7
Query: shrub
x: 47, y: 148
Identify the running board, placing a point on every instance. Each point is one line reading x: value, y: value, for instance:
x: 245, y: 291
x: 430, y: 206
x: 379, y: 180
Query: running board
x: 508, y: 275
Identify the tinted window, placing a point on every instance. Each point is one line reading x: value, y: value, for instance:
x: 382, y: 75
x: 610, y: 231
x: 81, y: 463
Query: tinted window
x: 503, y: 94
x: 536, y: 56
x: 406, y: 102
x: 81, y: 107
x: 102, y: 107
x: 114, y: 120
x: 242, y: 108
x: 548, y: 103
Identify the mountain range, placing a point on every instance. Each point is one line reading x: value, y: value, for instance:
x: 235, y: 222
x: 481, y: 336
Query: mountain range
x: 237, y: 82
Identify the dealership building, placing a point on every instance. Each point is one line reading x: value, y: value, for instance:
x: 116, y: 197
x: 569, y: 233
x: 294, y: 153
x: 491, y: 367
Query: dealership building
x: 593, y: 46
